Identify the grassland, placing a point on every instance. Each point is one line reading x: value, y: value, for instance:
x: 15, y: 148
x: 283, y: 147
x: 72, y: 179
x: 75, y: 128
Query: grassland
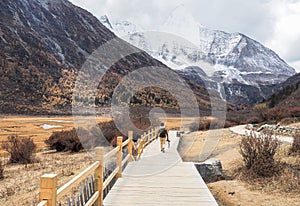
x: 35, y: 127
x: 21, y: 183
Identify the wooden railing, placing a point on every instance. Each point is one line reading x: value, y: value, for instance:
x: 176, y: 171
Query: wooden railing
x: 96, y: 179
x: 144, y: 141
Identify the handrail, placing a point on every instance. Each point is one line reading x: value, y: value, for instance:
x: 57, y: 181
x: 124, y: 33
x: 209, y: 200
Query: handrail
x: 126, y: 142
x: 76, y: 180
x: 93, y: 199
x: 110, y: 154
x: 43, y: 203
x: 110, y: 177
x: 48, y: 183
x: 125, y: 160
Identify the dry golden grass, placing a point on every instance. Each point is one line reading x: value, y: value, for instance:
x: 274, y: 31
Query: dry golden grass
x: 297, y: 125
x: 177, y: 122
x: 30, y: 126
x: 20, y: 185
x: 191, y: 144
x: 245, y: 193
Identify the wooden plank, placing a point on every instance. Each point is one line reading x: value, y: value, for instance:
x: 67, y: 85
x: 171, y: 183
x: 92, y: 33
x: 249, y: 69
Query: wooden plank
x: 93, y: 199
x: 160, y: 179
x: 110, y: 154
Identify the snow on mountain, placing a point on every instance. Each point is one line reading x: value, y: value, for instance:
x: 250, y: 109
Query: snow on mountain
x: 181, y: 42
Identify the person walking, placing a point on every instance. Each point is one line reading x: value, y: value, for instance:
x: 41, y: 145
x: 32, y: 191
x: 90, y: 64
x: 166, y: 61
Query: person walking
x: 163, y: 135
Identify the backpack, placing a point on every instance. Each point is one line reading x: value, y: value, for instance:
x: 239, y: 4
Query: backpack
x: 162, y: 132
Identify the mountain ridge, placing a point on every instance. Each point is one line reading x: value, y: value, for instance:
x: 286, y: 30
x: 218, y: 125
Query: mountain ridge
x: 227, y: 58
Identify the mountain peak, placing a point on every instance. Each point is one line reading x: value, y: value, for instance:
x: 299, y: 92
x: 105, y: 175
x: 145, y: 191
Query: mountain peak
x: 229, y: 58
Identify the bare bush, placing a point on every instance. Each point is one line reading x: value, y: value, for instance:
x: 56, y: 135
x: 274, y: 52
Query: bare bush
x: 258, y: 154
x: 277, y: 113
x: 253, y: 120
x: 295, y: 149
x: 288, y: 120
x: 89, y: 138
x: 193, y: 127
x: 20, y: 149
x: 64, y: 141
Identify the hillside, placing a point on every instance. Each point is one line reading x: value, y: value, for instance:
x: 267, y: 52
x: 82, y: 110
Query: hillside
x: 287, y: 93
x: 44, y: 45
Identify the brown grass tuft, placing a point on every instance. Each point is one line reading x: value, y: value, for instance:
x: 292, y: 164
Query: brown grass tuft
x: 295, y: 149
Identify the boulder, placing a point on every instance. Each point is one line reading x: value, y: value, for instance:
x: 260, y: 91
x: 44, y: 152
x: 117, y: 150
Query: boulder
x: 210, y: 170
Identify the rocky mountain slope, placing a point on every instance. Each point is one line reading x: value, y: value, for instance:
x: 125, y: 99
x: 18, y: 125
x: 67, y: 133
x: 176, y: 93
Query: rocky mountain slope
x: 240, y: 63
x: 44, y: 43
x: 287, y: 94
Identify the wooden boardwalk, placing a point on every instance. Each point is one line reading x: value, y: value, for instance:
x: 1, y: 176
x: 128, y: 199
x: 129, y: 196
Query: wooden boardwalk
x: 160, y: 179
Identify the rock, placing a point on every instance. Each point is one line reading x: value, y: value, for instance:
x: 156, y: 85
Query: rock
x: 210, y: 170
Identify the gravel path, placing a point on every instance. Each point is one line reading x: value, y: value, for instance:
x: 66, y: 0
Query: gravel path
x: 241, y: 130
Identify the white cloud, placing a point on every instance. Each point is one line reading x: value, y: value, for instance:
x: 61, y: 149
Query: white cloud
x: 296, y: 65
x: 286, y: 38
x: 271, y: 22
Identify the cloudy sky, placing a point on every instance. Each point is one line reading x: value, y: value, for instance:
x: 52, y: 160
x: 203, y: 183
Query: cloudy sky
x: 274, y: 23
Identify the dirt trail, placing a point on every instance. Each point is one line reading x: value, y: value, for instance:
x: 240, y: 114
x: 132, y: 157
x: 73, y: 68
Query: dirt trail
x: 241, y: 130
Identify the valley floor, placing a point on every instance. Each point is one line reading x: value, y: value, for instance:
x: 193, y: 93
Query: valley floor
x: 21, y: 183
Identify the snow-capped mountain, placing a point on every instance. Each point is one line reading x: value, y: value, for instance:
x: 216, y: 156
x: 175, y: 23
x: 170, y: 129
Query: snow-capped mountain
x: 229, y: 58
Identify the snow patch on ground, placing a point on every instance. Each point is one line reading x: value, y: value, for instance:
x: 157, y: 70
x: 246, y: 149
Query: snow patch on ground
x: 49, y: 126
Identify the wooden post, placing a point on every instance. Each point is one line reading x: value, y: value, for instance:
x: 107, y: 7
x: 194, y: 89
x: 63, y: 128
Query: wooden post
x: 139, y: 148
x: 130, y: 136
x: 48, y: 188
x: 145, y: 139
x: 99, y: 175
x: 153, y: 134
x: 149, y: 136
x: 119, y: 157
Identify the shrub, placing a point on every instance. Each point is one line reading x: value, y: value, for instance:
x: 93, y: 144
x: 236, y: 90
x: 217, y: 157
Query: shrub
x: 277, y: 113
x: 253, y: 120
x: 64, y: 141
x: 261, y: 109
x: 1, y: 170
x: 20, y: 149
x: 194, y: 127
x: 89, y: 138
x: 295, y: 149
x: 288, y: 120
x: 109, y: 130
x: 258, y: 154
x: 206, y: 124
x: 294, y: 111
